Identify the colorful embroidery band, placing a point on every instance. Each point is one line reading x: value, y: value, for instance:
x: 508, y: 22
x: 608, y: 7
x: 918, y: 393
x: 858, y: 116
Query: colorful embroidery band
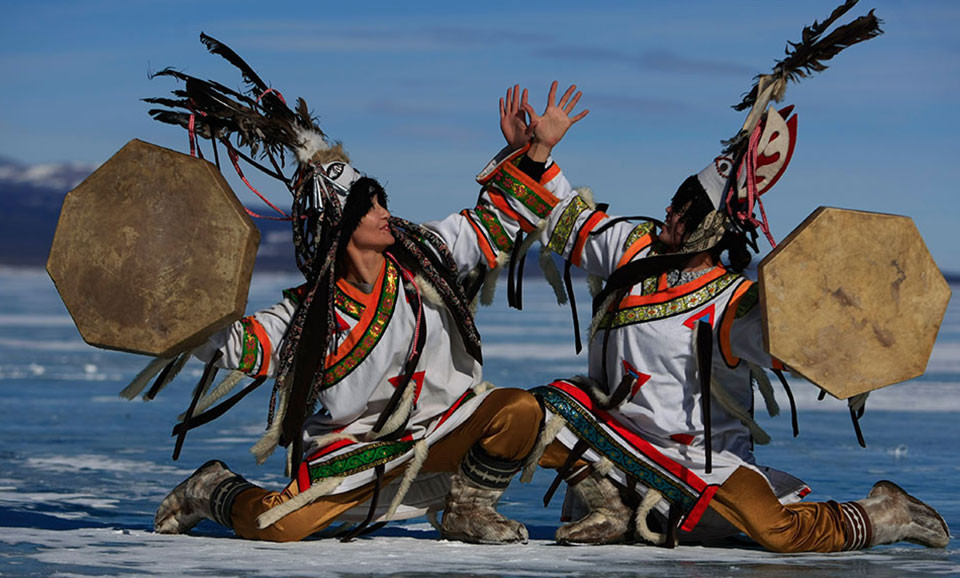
x: 582, y: 423
x: 652, y: 312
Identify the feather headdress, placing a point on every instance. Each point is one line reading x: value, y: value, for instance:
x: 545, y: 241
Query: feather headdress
x: 257, y: 119
x: 734, y: 180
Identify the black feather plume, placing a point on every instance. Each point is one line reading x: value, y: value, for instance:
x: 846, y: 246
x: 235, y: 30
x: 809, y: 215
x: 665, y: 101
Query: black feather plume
x: 227, y: 53
x: 810, y: 54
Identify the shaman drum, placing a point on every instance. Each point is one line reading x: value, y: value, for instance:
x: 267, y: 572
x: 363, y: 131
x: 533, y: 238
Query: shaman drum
x: 153, y: 253
x: 852, y: 300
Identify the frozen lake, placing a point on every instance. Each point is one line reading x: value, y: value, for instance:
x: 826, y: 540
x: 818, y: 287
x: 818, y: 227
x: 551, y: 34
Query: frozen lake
x: 82, y: 471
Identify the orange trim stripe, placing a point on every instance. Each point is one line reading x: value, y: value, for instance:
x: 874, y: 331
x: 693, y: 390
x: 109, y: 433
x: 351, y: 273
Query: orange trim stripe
x: 577, y: 255
x: 535, y: 187
x: 550, y: 174
x: 637, y: 246
x: 662, y: 296
x: 727, y: 324
x: 266, y: 348
x: 369, y: 312
x: 482, y: 241
x: 500, y: 202
x: 509, y: 159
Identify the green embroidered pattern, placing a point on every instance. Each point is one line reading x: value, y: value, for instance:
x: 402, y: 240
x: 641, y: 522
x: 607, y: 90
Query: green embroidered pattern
x: 347, y: 305
x: 748, y: 300
x: 295, y: 294
x: 364, y: 458
x: 649, y: 285
x: 493, y: 226
x: 582, y: 423
x: 510, y: 185
x: 564, y: 229
x: 251, y: 346
x: 373, y: 333
x: 644, y: 313
x: 641, y: 230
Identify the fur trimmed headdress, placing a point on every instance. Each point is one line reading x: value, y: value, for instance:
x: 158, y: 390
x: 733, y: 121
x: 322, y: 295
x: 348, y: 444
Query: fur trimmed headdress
x: 330, y: 196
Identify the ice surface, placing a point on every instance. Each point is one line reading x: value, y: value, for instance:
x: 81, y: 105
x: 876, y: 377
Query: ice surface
x: 82, y: 472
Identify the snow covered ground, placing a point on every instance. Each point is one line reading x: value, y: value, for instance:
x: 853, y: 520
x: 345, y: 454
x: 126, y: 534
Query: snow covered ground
x: 82, y: 471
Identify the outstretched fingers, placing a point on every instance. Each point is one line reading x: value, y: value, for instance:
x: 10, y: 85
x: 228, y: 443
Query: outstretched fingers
x: 552, y: 95
x: 566, y: 95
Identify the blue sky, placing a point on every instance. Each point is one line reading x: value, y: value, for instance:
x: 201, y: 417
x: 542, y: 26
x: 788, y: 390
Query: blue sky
x: 411, y: 89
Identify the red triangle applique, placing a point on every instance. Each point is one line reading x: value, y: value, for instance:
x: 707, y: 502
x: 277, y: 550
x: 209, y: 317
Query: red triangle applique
x: 341, y: 324
x: 640, y: 377
x: 417, y: 379
x: 707, y: 313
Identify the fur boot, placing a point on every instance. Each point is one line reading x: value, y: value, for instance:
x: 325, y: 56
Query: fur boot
x: 607, y: 520
x: 207, y: 494
x: 893, y: 515
x: 471, y: 511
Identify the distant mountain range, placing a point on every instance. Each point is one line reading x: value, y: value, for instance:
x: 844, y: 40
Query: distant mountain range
x: 30, y: 200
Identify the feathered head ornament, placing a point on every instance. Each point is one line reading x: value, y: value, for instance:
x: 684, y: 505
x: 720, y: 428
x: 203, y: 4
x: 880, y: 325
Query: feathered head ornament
x: 329, y: 198
x: 757, y: 156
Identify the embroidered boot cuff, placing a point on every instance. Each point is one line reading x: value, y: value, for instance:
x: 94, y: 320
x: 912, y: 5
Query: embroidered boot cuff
x: 486, y: 471
x: 221, y: 500
x: 857, y: 529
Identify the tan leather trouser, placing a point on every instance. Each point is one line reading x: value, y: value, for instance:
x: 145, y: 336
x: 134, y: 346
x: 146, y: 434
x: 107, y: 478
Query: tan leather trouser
x: 505, y: 425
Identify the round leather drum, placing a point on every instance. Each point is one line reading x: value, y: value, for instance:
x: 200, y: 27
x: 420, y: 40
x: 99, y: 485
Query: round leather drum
x: 852, y: 300
x: 153, y: 252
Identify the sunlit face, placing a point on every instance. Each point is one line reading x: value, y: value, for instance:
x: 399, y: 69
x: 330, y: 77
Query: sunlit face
x: 373, y: 232
x: 673, y: 228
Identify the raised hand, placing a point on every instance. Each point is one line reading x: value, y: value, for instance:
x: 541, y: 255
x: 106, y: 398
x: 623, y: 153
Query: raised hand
x: 548, y: 129
x: 513, y: 118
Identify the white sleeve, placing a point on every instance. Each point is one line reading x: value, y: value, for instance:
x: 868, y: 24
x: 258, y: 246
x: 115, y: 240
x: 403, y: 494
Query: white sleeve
x: 509, y: 202
x: 591, y: 239
x: 251, y: 344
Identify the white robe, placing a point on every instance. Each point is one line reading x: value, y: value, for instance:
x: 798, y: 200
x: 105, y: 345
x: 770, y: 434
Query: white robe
x: 368, y: 354
x: 656, y: 436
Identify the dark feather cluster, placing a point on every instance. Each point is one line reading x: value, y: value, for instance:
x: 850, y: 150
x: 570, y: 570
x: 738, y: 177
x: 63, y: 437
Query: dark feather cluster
x: 810, y: 54
x: 256, y: 118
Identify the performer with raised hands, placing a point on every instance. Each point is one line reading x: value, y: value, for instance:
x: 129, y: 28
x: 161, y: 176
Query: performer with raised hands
x: 663, y: 423
x: 376, y: 358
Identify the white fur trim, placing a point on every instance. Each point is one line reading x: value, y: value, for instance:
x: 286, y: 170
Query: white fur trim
x: 269, y: 440
x: 602, y: 399
x: 603, y: 467
x: 595, y: 322
x: 550, y: 431
x: 313, y: 493
x: 146, y: 374
x: 586, y: 193
x: 420, y: 452
x: 530, y: 239
x: 766, y: 389
x: 428, y: 291
x: 223, y: 388
x: 552, y: 274
x: 331, y: 437
x: 311, y: 142
x: 399, y: 415
x: 489, y: 289
x: 483, y: 387
x: 723, y: 397
x: 178, y: 364
x: 650, y: 500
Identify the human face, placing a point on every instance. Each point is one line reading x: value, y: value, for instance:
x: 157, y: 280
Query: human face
x: 373, y: 232
x: 674, y: 228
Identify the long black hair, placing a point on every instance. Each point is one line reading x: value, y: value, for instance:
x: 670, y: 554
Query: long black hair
x: 359, y: 202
